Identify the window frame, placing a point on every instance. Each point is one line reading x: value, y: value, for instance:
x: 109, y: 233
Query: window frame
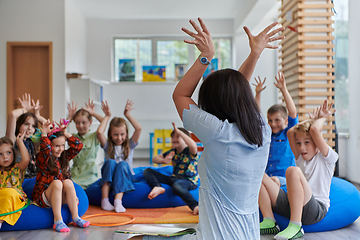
x: 154, y: 40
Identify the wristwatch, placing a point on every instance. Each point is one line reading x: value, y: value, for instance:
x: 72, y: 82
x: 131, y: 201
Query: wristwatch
x: 204, y: 60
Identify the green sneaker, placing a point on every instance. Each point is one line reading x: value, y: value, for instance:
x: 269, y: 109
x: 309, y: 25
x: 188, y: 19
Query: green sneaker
x: 287, y: 235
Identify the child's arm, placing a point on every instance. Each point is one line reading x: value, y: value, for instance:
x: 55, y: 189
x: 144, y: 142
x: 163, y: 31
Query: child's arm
x: 25, y: 157
x: 292, y: 142
x: 259, y: 87
x: 72, y: 110
x: 90, y: 107
x: 316, y: 127
x: 45, y: 144
x: 100, y: 133
x: 160, y: 159
x: 186, y: 86
x: 188, y: 140
x: 37, y: 109
x: 75, y: 145
x: 257, y: 45
x: 281, y: 85
x: 128, y: 107
x: 15, y: 114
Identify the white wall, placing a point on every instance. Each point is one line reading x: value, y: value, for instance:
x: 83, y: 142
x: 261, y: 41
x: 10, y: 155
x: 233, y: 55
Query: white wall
x: 75, y: 43
x: 75, y: 39
x: 267, y: 63
x: 353, y: 146
x: 100, y: 34
x: 36, y: 20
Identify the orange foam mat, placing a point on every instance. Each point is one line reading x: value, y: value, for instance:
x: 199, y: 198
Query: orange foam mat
x: 154, y: 215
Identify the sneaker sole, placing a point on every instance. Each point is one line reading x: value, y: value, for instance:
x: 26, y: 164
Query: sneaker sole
x: 273, y: 230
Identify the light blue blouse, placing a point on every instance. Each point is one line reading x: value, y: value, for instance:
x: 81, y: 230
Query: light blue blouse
x: 231, y: 172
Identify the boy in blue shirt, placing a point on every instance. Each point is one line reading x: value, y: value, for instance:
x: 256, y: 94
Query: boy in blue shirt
x: 280, y: 154
x: 307, y: 199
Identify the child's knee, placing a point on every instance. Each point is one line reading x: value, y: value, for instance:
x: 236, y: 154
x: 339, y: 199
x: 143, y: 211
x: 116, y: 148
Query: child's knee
x: 56, y: 184
x: 147, y: 171
x: 292, y: 172
x: 68, y: 184
x: 276, y: 180
x: 110, y: 163
x: 178, y: 188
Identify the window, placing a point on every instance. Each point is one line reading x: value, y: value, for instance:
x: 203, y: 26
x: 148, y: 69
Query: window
x: 137, y: 49
x: 222, y: 52
x: 170, y: 53
x: 341, y: 64
x: 165, y: 52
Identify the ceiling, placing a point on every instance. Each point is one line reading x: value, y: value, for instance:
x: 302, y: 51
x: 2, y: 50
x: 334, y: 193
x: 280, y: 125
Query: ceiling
x: 163, y: 9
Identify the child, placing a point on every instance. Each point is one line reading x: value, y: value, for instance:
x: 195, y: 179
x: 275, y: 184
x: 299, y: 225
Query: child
x: 84, y: 170
x: 280, y: 155
x: 119, y: 149
x: 53, y: 186
x: 21, y: 120
x: 12, y: 196
x: 235, y: 136
x: 183, y: 156
x: 308, y: 185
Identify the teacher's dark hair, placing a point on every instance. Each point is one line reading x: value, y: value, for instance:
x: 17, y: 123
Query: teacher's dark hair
x: 227, y: 95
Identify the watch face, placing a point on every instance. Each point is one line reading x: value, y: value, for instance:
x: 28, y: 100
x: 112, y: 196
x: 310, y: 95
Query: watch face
x: 204, y: 60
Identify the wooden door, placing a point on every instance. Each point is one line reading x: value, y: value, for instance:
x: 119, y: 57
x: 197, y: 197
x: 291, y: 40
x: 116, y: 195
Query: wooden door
x: 29, y: 70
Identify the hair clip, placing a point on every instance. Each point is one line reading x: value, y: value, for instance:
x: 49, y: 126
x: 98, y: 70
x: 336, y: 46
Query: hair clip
x: 35, y: 138
x: 52, y: 136
x: 64, y: 122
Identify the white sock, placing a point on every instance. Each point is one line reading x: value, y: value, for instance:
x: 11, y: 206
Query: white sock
x: 106, y: 205
x: 118, y: 206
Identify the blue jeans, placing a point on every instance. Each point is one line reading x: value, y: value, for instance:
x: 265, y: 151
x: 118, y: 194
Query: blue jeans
x: 118, y: 175
x: 180, y: 186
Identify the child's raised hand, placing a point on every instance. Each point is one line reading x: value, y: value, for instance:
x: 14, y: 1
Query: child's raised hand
x: 20, y: 137
x: 105, y: 108
x: 280, y: 81
x: 175, y: 128
x: 202, y: 39
x: 36, y: 106
x: 326, y: 109
x: 259, y: 86
x: 26, y: 102
x: 62, y: 124
x: 262, y: 40
x: 315, y: 114
x: 128, y: 107
x: 90, y: 107
x: 47, y: 126
x: 72, y: 109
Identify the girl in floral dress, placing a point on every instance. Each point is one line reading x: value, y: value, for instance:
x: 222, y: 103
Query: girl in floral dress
x: 12, y: 196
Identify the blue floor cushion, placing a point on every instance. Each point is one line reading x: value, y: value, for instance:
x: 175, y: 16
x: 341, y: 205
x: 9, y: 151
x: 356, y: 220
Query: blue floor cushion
x: 344, y: 208
x: 34, y: 217
x: 138, y: 198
